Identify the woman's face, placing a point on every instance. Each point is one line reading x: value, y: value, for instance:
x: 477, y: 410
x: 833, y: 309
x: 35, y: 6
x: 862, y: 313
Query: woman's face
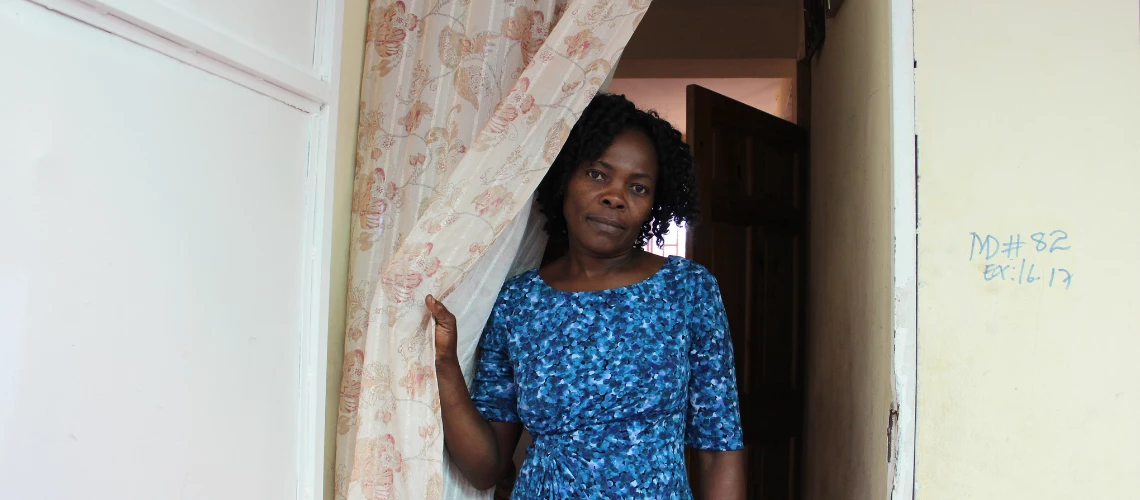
x: 608, y: 200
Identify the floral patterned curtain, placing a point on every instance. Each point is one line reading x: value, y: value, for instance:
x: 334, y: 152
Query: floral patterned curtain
x: 464, y: 105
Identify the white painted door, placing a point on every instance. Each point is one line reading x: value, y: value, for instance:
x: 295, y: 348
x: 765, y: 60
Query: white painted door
x: 163, y: 246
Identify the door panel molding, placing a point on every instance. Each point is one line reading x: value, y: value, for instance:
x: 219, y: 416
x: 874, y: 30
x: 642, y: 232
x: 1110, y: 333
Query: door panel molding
x: 315, y: 334
x: 204, y: 46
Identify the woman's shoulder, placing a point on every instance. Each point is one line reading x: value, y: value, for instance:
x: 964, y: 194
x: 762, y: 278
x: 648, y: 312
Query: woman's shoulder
x: 692, y: 281
x: 519, y: 284
x: 686, y: 270
x: 513, y: 293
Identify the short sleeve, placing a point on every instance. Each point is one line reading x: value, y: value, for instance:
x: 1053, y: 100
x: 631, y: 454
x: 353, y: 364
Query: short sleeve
x: 494, y: 391
x: 713, y: 418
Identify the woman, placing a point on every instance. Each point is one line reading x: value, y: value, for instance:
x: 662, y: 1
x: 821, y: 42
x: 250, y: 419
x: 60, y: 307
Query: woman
x: 613, y: 358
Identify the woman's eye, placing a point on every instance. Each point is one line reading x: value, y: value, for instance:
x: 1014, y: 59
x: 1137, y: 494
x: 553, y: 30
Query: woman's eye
x: 639, y: 189
x: 594, y: 174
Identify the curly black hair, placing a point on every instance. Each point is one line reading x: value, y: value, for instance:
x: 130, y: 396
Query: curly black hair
x: 608, y: 115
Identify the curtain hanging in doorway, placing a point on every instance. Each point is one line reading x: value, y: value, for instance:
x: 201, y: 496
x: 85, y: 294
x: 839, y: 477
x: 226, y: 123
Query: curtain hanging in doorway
x: 464, y: 105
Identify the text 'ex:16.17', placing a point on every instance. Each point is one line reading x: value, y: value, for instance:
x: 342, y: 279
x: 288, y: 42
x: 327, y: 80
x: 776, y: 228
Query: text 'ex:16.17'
x: 1019, y: 269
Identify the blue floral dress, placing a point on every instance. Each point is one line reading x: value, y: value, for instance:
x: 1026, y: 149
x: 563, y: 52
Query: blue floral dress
x: 611, y: 384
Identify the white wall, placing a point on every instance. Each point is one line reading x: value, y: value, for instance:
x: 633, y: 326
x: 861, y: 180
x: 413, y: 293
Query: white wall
x: 159, y: 225
x: 1028, y: 121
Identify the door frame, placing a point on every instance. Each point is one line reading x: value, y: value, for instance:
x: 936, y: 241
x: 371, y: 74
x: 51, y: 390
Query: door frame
x: 904, y: 260
x: 313, y: 89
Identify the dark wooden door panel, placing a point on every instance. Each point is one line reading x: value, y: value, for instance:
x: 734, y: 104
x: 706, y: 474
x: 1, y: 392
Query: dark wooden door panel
x: 752, y: 181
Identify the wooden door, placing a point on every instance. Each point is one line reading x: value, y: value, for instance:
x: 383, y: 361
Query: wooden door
x: 752, y: 180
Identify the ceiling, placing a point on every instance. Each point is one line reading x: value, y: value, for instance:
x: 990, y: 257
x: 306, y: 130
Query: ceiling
x: 734, y: 3
x: 717, y: 29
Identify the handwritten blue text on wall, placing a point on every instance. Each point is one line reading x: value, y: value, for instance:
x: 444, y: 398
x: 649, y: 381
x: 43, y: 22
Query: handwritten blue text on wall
x: 1018, y: 260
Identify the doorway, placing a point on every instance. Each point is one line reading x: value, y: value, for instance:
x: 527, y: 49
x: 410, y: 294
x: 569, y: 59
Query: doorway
x: 850, y: 435
x: 736, y: 101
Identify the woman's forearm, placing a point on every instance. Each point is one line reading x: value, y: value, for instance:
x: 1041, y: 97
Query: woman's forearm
x: 474, y: 444
x: 721, y: 474
x: 479, y: 448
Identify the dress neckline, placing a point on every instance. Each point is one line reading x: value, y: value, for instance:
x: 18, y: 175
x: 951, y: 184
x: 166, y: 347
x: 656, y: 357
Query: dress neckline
x: 669, y: 261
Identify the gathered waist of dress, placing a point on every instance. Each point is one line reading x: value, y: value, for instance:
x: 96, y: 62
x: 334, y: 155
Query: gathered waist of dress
x: 658, y: 432
x: 639, y: 457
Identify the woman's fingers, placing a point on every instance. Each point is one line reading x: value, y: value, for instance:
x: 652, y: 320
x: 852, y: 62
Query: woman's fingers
x: 443, y: 317
x: 445, y: 331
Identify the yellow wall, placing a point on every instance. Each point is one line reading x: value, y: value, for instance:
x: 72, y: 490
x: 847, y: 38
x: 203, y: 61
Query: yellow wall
x: 355, y: 20
x: 849, y: 344
x: 1028, y: 121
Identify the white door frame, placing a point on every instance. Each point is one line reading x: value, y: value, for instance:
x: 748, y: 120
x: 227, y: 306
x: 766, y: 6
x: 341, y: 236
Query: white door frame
x: 313, y: 89
x: 904, y: 259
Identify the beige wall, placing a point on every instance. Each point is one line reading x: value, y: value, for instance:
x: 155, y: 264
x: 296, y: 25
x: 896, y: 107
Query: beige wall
x: 355, y: 20
x: 849, y: 345
x: 1028, y: 120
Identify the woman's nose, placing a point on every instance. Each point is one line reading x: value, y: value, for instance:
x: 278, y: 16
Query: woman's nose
x: 613, y: 201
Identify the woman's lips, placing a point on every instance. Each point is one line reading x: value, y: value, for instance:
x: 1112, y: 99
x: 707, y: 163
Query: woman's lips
x: 607, y: 225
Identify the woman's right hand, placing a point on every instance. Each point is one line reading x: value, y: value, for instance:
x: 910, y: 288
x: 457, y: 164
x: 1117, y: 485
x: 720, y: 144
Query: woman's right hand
x: 446, y: 334
x: 471, y: 440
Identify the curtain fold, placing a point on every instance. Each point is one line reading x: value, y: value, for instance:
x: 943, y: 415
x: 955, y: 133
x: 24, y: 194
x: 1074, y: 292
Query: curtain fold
x: 464, y: 105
